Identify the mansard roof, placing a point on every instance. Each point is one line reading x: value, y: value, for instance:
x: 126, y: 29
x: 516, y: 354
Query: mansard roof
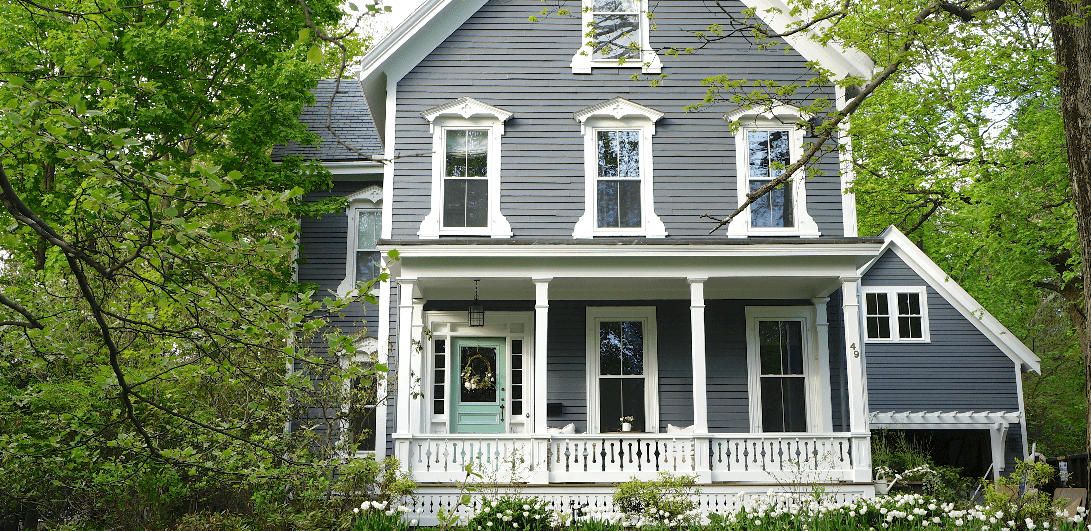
x: 350, y: 119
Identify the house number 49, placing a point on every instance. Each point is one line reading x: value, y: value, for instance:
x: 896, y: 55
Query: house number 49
x: 855, y: 353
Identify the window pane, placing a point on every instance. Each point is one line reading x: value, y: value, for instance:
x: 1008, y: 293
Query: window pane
x: 477, y: 203
x: 608, y: 204
x: 367, y: 265
x: 628, y: 149
x: 620, y: 397
x: 368, y: 224
x: 456, y: 153
x: 454, y: 202
x: 607, y: 153
x: 758, y: 142
x: 477, y: 374
x: 783, y: 404
x: 910, y: 328
x: 909, y: 304
x: 878, y: 327
x: 621, y: 348
x: 773, y: 209
x: 477, y: 151
x: 629, y: 204
x: 614, y: 6
x: 778, y: 152
x: 616, y: 36
x: 362, y: 412
x: 780, y: 347
x: 876, y: 303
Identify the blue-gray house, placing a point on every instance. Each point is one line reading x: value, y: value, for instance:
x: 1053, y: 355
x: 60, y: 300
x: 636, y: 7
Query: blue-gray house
x: 560, y: 312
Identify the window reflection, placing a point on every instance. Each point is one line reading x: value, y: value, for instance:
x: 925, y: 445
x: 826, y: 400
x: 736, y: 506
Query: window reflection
x: 618, y: 186
x: 617, y: 29
x: 768, y: 156
x: 465, y: 186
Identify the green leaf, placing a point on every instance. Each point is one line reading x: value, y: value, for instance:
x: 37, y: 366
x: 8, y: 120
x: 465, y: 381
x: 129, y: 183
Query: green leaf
x: 174, y: 4
x: 314, y: 55
x: 171, y: 212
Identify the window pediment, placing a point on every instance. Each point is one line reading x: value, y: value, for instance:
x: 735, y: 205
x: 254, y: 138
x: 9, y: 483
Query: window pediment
x: 776, y: 113
x: 466, y: 108
x: 618, y: 109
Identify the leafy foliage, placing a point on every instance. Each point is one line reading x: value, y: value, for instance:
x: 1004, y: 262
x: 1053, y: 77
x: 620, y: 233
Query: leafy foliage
x: 670, y: 498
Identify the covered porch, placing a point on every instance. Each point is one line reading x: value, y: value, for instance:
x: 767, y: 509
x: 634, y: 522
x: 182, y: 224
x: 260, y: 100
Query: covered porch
x: 578, y: 338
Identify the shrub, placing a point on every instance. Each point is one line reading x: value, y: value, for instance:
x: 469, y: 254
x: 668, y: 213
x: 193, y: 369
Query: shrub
x: 511, y: 513
x: 669, y: 499
x: 1033, y: 503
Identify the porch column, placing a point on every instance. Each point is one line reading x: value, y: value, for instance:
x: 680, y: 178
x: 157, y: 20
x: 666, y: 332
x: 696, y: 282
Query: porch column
x: 404, y: 398
x: 697, y: 349
x: 541, y: 334
x: 823, y: 408
x: 857, y: 381
x: 405, y: 357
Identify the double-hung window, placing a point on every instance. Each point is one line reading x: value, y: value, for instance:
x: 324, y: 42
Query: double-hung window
x: 466, y: 142
x: 622, y: 368
x: 896, y: 313
x: 618, y: 165
x: 362, y: 406
x: 782, y: 374
x: 617, y: 35
x: 364, y: 216
x: 767, y: 141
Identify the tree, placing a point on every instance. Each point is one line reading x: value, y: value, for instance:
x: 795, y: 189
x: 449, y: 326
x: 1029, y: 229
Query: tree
x: 147, y: 307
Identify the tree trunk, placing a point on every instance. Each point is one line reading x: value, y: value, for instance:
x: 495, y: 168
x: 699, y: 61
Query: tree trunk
x: 1068, y: 20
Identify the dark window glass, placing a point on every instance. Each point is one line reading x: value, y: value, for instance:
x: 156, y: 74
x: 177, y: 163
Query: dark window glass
x: 466, y: 186
x: 617, y: 29
x: 878, y: 315
x: 910, y: 319
x: 368, y: 226
x: 621, y: 348
x: 478, y: 374
x: 621, y: 397
x: 783, y: 404
x: 780, y: 347
x: 769, y: 155
x: 362, y: 411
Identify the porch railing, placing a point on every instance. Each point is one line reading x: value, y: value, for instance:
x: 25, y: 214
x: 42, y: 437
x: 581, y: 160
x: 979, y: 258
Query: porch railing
x: 744, y: 457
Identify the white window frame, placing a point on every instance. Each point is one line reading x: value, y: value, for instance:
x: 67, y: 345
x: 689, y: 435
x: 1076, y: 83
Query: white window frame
x: 778, y: 117
x: 465, y: 113
x: 583, y: 62
x: 892, y: 304
x: 806, y: 315
x: 370, y: 198
x: 645, y: 314
x: 612, y: 115
x: 367, y: 351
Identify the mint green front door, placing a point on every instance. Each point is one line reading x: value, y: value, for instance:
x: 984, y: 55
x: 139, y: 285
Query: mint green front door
x: 478, y: 401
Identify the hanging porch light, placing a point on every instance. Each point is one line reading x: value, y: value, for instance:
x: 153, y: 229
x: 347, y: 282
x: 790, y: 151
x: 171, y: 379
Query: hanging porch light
x: 477, y: 311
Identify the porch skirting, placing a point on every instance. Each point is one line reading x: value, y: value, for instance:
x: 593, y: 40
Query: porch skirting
x: 574, y: 498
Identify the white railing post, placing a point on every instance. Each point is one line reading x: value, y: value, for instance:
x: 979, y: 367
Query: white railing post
x: 822, y: 408
x: 541, y: 353
x: 699, y: 443
x: 857, y: 381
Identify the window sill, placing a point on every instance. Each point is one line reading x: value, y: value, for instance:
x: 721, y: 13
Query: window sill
x: 431, y: 230
x: 649, y: 63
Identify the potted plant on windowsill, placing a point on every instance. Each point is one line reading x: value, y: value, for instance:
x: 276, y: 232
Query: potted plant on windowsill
x: 626, y: 423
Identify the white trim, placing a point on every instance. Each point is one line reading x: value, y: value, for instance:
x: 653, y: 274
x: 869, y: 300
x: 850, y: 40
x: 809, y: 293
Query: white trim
x: 449, y: 325
x: 1022, y: 411
x: 892, y: 315
x: 485, y: 250
x: 353, y: 167
x: 804, y: 315
x: 777, y: 117
x: 369, y: 198
x: 842, y: 62
x: 973, y: 311
x: 848, y: 175
x: 942, y: 419
x: 384, y: 354
x: 645, y: 314
x: 391, y: 106
x: 583, y: 61
x: 465, y: 113
x: 618, y: 114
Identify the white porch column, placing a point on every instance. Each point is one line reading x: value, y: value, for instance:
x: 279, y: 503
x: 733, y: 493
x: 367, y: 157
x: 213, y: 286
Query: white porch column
x: 822, y: 390
x: 857, y: 380
x: 405, y: 357
x: 998, y: 438
x: 700, y: 377
x: 541, y: 352
x: 697, y: 347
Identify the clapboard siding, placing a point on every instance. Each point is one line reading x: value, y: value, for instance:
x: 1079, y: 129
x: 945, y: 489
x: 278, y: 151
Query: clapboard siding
x: 499, y: 57
x: 958, y: 370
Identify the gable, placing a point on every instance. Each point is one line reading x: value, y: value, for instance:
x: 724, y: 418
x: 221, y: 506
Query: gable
x: 901, y: 263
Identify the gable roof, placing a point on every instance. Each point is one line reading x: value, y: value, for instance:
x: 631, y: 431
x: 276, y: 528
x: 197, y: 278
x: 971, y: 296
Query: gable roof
x: 435, y: 20
x: 350, y: 118
x: 966, y: 305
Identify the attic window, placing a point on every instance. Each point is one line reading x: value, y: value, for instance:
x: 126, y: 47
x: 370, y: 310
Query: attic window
x: 896, y: 314
x: 616, y: 34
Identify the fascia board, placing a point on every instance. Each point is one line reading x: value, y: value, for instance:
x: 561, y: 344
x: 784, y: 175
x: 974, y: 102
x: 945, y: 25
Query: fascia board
x: 350, y: 168
x: 972, y: 310
x: 416, y: 37
x: 586, y: 251
x: 832, y: 56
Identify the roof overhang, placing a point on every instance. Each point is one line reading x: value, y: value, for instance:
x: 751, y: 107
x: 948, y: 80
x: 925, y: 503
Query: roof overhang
x: 972, y: 310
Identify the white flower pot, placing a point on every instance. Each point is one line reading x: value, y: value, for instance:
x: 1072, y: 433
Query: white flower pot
x: 626, y: 427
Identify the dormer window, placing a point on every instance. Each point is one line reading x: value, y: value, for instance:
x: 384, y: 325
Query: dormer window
x: 767, y: 141
x: 465, y: 170
x: 616, y: 34
x: 618, y: 165
x: 365, y: 217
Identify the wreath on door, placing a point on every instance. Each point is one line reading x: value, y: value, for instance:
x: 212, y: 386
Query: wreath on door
x: 477, y: 374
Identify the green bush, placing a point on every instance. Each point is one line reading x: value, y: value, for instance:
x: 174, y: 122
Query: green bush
x: 669, y: 499
x: 1033, y: 503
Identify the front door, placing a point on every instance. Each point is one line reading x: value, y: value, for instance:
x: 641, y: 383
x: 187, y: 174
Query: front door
x: 478, y: 388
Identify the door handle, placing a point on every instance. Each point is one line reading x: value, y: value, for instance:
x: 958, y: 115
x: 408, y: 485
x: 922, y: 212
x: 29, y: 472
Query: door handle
x: 501, y: 409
